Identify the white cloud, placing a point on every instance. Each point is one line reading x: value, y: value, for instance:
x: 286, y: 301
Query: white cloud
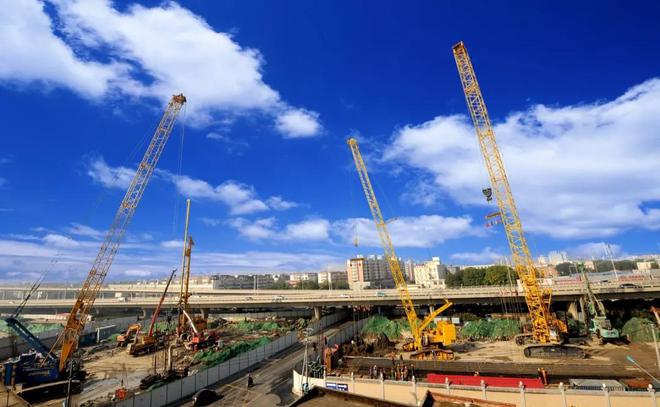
x: 171, y: 244
x: 596, y: 250
x: 137, y: 273
x: 279, y: 204
x: 312, y: 229
x: 298, y: 123
x: 110, y: 177
x: 240, y: 198
x: 32, y: 53
x: 84, y: 230
x: 266, y: 229
x: 575, y: 171
x: 487, y: 255
x: 55, y: 240
x: 148, y: 52
x: 419, y: 231
x: 254, y: 230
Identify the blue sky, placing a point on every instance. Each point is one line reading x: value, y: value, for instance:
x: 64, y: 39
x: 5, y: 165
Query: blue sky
x: 275, y: 89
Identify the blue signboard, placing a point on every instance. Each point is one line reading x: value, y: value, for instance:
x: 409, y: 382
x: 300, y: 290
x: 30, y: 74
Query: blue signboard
x: 337, y: 386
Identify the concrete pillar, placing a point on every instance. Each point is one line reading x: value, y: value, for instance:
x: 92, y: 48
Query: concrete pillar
x: 317, y: 313
x: 414, y: 390
x: 652, y: 392
x: 607, y: 396
x: 205, y: 313
x: 573, y: 310
x: 562, y: 389
x: 382, y: 386
x: 483, y: 390
x: 144, y: 313
x: 447, y: 385
x: 523, y: 402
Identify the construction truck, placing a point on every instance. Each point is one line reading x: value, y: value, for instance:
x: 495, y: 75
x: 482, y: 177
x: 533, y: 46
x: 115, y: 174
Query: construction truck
x: 43, y: 374
x: 143, y: 344
x: 426, y: 342
x: 599, y: 327
x: 548, y: 333
x: 125, y: 338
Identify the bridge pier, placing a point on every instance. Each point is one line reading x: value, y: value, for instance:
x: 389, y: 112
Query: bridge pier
x: 205, y: 313
x: 318, y: 312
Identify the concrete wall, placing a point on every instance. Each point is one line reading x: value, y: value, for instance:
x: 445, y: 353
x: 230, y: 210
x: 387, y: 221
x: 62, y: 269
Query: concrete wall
x: 411, y: 393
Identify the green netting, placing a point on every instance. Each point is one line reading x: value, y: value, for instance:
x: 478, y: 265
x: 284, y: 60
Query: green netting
x: 212, y: 358
x: 258, y: 326
x: 498, y: 329
x: 377, y: 325
x: 639, y: 330
x: 34, y: 328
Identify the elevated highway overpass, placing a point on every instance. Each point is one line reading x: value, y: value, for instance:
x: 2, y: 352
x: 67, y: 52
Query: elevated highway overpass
x: 222, y: 300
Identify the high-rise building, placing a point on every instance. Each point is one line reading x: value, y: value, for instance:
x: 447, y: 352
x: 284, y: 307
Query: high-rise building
x: 556, y: 257
x: 371, y: 271
x: 409, y: 272
x: 296, y: 279
x: 332, y: 278
x: 430, y: 274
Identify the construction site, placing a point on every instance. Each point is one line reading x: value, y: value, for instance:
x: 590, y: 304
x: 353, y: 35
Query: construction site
x: 525, y: 344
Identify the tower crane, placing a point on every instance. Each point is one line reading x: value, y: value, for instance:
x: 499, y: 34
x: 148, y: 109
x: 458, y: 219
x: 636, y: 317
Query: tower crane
x: 547, y: 330
x: 68, y: 338
x: 444, y: 333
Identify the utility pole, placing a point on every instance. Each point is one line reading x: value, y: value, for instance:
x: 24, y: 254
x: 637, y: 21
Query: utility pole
x: 609, y: 252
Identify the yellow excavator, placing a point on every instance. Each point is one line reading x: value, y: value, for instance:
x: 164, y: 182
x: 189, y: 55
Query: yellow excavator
x: 125, y: 338
x: 547, y: 333
x: 426, y: 342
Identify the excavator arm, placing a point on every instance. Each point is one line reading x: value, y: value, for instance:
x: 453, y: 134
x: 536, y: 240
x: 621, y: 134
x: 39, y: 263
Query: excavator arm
x: 68, y: 339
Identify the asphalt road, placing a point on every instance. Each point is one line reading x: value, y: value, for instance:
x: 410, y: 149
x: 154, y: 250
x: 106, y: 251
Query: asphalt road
x: 271, y: 387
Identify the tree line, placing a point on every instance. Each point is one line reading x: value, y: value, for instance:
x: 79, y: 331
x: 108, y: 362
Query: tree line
x: 491, y: 275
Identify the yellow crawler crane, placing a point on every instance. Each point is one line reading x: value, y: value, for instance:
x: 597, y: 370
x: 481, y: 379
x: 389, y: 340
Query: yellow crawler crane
x: 547, y: 331
x: 423, y: 337
x: 68, y: 339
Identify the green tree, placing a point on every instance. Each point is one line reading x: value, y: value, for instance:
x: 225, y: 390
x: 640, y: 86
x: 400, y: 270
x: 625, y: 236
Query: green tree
x: 341, y: 285
x: 309, y: 285
x: 473, y: 276
x: 324, y: 285
x: 497, y: 275
x: 564, y: 269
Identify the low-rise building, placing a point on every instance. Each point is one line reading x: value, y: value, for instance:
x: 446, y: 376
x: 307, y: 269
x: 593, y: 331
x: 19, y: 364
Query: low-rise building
x: 332, y: 278
x: 430, y: 274
x: 296, y: 279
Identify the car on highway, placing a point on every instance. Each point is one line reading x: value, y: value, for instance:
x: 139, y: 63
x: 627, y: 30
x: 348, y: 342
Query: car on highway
x: 629, y: 285
x: 278, y: 298
x: 205, y: 397
x: 380, y: 294
x: 344, y: 296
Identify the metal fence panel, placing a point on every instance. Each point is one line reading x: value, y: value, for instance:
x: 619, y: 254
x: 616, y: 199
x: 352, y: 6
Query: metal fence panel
x: 125, y: 403
x: 213, y: 374
x: 142, y: 400
x: 223, y: 368
x: 233, y: 366
x: 202, y: 379
x: 159, y: 396
x: 174, y: 391
x: 188, y: 386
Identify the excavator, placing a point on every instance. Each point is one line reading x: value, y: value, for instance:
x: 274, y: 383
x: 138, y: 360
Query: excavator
x: 548, y: 333
x: 599, y: 326
x: 44, y: 373
x: 125, y: 338
x: 426, y: 342
x: 143, y: 344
